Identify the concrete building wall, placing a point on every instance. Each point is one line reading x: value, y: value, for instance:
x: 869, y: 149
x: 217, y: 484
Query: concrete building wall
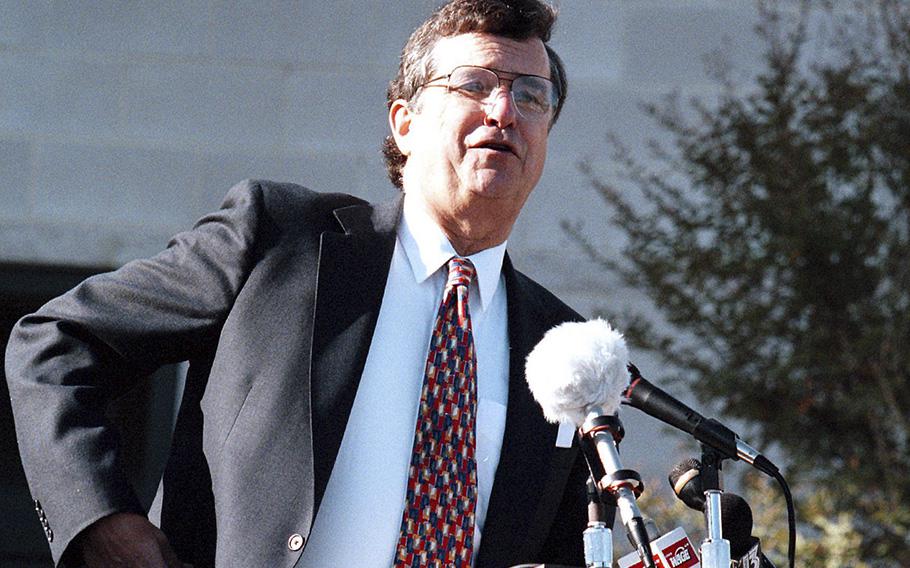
x: 123, y: 122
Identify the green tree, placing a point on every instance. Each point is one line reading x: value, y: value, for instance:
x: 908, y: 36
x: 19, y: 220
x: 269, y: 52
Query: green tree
x: 774, y: 240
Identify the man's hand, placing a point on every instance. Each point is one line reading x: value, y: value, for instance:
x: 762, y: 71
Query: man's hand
x: 126, y: 540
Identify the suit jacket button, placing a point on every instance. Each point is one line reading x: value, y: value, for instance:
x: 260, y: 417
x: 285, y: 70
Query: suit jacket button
x: 295, y: 542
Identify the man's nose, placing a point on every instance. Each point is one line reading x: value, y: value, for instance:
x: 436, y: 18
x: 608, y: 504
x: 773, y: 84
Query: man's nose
x: 500, y: 110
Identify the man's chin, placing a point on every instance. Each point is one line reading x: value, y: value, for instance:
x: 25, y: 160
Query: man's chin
x: 495, y: 185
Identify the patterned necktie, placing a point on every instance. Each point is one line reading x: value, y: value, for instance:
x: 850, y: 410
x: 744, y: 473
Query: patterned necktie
x: 437, y: 527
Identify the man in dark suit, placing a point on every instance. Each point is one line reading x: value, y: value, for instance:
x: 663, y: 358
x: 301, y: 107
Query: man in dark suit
x: 305, y: 319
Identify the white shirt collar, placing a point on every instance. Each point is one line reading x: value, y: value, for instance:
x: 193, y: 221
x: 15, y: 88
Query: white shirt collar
x: 428, y: 249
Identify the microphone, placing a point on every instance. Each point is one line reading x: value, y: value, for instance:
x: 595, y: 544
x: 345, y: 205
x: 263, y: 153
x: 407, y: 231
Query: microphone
x: 736, y: 515
x: 685, y: 480
x: 752, y: 558
x: 648, y: 398
x: 577, y: 374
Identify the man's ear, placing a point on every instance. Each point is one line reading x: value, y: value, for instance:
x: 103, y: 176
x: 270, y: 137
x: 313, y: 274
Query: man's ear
x: 400, y: 114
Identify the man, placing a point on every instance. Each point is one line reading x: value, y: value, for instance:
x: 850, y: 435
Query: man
x: 306, y: 319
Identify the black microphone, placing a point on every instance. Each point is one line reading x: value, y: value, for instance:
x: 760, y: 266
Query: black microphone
x: 752, y: 558
x: 686, y: 483
x: 736, y: 515
x: 648, y: 398
x: 577, y: 374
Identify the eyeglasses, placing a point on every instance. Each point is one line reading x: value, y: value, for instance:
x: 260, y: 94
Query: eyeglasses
x: 535, y: 97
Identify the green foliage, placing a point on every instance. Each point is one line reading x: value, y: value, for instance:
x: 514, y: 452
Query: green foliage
x: 775, y: 241
x: 827, y: 536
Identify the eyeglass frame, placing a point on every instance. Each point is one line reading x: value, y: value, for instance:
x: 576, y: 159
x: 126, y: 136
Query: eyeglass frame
x: 553, y: 105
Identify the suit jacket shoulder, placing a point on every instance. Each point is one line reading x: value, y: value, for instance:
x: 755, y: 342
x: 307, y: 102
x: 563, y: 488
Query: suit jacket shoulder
x: 290, y: 203
x: 547, y: 303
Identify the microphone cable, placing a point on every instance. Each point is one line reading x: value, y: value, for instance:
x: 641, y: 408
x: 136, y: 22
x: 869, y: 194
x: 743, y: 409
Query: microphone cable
x: 791, y: 518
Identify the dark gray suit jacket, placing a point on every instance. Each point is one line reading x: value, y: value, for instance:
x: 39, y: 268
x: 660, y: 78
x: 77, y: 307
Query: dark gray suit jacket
x: 273, y: 299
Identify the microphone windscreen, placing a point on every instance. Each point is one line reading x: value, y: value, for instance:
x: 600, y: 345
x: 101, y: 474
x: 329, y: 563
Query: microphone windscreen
x: 578, y: 367
x: 736, y: 517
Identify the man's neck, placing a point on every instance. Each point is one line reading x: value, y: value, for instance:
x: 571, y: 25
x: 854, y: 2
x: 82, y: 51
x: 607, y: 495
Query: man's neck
x: 466, y: 236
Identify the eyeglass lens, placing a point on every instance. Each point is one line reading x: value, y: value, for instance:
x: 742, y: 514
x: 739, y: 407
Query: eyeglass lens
x: 535, y: 97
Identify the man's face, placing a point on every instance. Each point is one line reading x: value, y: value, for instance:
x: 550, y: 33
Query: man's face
x: 474, y: 164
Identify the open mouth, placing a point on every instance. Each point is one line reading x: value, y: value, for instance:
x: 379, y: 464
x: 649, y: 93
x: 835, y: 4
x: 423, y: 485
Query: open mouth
x: 495, y: 146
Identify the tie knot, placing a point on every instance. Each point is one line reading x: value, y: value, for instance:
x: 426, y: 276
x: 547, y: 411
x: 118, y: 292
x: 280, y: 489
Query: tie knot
x: 461, y: 272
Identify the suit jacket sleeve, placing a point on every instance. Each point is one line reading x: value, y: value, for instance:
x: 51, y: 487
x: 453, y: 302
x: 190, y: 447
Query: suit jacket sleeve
x: 65, y: 362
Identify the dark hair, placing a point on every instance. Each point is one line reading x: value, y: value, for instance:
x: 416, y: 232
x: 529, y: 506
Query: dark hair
x: 514, y: 19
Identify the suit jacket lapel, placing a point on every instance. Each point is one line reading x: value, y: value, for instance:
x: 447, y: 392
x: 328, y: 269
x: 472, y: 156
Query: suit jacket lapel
x: 353, y: 268
x: 531, y: 471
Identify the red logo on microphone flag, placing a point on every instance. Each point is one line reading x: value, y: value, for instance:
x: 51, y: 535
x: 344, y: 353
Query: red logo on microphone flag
x: 672, y: 550
x: 680, y: 554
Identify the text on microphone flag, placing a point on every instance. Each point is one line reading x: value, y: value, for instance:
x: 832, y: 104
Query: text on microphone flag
x: 672, y: 550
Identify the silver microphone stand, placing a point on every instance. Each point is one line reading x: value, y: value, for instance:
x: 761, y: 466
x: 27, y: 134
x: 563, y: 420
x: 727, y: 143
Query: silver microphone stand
x: 715, y: 550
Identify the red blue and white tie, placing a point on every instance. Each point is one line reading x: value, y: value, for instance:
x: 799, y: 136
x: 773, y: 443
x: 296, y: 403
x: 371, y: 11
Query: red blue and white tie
x: 437, y: 527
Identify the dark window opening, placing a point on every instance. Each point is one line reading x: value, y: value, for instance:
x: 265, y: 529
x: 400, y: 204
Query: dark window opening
x: 23, y: 289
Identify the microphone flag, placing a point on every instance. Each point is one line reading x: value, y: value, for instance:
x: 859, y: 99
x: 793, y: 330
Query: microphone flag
x: 672, y: 550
